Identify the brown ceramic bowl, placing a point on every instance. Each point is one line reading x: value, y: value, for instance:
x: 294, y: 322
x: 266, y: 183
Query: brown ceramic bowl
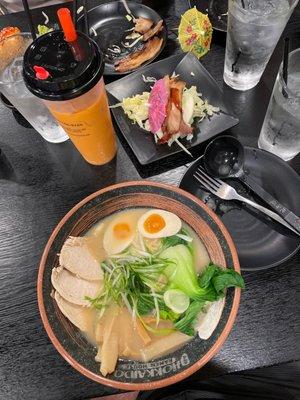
x: 133, y: 375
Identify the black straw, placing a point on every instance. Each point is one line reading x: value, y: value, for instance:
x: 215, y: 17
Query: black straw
x: 243, y: 3
x: 285, y: 65
x: 74, y: 13
x: 86, y: 18
x: 28, y: 14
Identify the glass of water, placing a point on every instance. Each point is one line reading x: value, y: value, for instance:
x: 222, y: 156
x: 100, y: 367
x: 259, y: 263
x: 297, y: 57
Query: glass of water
x: 253, y: 30
x: 280, y: 133
x: 13, y: 88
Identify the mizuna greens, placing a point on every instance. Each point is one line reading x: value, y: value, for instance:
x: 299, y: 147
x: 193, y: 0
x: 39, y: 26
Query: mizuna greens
x: 142, y: 280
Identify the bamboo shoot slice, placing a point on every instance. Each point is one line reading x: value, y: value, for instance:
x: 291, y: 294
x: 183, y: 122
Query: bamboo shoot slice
x: 164, y: 346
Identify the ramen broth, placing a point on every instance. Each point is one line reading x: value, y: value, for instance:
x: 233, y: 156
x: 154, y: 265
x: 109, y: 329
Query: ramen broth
x: 134, y: 341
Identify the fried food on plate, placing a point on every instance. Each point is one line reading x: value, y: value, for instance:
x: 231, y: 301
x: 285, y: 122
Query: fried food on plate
x: 8, y: 31
x: 10, y: 45
x: 137, y: 58
x: 142, y: 25
x: 153, y: 31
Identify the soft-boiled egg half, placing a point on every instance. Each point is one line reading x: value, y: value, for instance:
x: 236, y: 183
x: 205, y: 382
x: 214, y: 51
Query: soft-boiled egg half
x: 119, y: 234
x: 156, y: 224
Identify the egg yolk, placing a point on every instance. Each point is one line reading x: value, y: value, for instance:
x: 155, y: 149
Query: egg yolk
x: 121, y: 230
x: 154, y: 223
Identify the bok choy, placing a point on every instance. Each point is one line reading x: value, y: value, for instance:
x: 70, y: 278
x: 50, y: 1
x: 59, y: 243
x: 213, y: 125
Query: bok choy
x: 141, y: 283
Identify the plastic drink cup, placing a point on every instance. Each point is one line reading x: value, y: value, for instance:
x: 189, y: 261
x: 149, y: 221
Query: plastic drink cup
x: 280, y: 133
x: 13, y: 88
x: 68, y: 77
x: 253, y: 30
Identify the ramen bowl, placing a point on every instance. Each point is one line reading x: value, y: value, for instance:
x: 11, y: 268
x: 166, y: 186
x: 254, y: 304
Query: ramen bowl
x: 71, y: 343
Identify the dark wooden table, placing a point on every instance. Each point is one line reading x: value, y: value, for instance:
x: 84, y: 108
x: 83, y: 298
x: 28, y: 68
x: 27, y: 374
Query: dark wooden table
x: 43, y: 181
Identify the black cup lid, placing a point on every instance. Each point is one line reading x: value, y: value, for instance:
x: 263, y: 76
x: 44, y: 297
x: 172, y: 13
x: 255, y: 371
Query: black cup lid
x: 74, y: 68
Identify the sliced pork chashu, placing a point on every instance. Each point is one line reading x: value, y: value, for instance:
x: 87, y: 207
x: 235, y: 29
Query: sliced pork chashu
x: 74, y: 289
x: 78, y: 256
x: 142, y: 25
x: 137, y: 58
x: 81, y: 317
x: 152, y: 32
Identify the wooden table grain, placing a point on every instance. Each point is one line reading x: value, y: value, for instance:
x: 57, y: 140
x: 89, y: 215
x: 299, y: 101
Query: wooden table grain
x: 40, y: 182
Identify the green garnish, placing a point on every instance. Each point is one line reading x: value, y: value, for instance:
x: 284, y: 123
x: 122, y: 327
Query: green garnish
x: 180, y: 270
x: 182, y: 238
x: 212, y: 282
x: 164, y: 285
x: 176, y: 300
x: 169, y: 315
x: 186, y: 324
x: 42, y: 29
x: 135, y: 281
x: 220, y: 279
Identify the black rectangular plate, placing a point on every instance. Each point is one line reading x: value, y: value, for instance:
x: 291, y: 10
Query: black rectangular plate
x: 141, y: 142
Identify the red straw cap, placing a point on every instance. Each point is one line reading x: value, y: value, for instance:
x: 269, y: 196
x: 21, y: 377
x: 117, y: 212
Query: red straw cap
x: 67, y: 24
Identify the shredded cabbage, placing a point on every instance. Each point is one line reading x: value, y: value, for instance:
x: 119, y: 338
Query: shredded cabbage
x: 137, y: 109
x: 128, y: 45
x: 133, y: 35
x: 147, y: 79
x: 175, y: 138
x: 201, y: 107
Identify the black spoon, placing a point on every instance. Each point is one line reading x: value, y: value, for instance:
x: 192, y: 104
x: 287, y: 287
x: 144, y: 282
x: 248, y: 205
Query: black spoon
x: 224, y: 158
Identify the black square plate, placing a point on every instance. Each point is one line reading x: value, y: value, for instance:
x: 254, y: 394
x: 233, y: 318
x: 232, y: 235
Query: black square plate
x: 192, y: 72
